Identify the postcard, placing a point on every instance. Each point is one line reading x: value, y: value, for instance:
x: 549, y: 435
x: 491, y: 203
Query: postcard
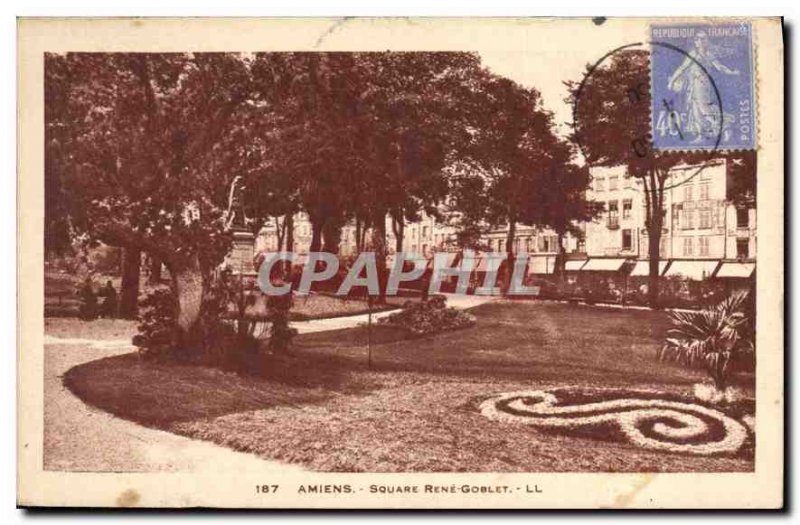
x: 379, y: 263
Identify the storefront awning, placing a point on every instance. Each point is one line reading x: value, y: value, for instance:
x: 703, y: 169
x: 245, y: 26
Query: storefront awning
x: 541, y: 264
x: 603, y: 265
x: 736, y: 269
x: 573, y: 266
x: 695, y: 270
x: 642, y: 268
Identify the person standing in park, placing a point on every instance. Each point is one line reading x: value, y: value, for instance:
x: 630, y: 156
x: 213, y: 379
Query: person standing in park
x: 88, y: 308
x: 108, y: 307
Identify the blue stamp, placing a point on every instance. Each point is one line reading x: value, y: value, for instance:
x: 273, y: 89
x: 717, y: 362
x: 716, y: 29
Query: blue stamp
x: 702, y: 87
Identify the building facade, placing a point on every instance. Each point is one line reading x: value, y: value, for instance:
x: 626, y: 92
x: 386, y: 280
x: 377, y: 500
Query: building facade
x: 701, y: 223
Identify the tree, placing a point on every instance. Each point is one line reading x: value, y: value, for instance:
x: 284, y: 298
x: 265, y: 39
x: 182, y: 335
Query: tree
x: 717, y: 338
x: 563, y: 205
x: 612, y: 128
x: 368, y: 135
x: 502, y: 181
x: 57, y: 234
x: 146, y: 170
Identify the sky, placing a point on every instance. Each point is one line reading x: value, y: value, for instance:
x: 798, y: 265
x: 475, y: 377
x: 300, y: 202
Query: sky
x: 535, y: 52
x: 550, y: 54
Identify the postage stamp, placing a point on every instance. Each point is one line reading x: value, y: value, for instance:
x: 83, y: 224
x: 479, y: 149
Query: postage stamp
x: 703, y: 87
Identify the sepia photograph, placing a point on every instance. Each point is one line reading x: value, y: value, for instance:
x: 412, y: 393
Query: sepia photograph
x: 319, y: 262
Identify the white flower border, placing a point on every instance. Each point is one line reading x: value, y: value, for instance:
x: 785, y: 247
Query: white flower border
x: 545, y: 413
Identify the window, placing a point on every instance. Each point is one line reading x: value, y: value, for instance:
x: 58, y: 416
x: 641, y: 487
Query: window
x: 528, y: 245
x: 742, y: 248
x: 627, y: 240
x: 705, y: 218
x: 425, y: 232
x: 413, y: 248
x: 688, y: 246
x: 742, y: 218
x: 424, y: 249
x: 688, y: 193
x: 500, y: 245
x: 702, y: 246
x: 613, y: 183
x: 600, y: 184
x: 613, y: 214
x: 704, y: 191
x: 627, y: 206
x: 687, y: 222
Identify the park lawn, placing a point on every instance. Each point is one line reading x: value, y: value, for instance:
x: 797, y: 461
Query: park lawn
x: 416, y: 410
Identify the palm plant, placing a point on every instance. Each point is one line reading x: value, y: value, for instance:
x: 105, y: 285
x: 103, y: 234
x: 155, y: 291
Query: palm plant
x: 715, y: 338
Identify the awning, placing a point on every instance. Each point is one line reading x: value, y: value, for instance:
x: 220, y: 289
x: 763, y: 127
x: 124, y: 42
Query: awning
x: 573, y: 266
x: 642, y: 268
x: 695, y: 270
x: 541, y: 264
x: 736, y: 269
x: 603, y: 265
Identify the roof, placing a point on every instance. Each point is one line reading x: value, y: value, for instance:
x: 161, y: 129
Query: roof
x: 736, y: 269
x: 695, y: 270
x: 603, y: 265
x: 642, y: 268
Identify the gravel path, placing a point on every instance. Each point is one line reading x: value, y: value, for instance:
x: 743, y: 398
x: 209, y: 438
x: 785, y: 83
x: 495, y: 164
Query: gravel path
x: 80, y: 438
x: 351, y: 321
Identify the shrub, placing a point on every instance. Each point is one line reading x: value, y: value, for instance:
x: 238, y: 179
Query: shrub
x: 215, y: 341
x: 716, y: 338
x: 429, y: 316
x: 157, y: 335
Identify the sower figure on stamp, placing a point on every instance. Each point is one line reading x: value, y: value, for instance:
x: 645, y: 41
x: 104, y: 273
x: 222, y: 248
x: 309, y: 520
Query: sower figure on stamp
x: 700, y: 99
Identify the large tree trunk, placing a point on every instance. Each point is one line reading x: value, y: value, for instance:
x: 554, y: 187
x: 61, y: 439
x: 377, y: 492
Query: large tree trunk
x: 509, y: 266
x: 280, y: 231
x: 316, y: 235
x: 399, y: 230
x: 379, y: 247
x: 359, y: 243
x: 155, y: 270
x: 331, y: 236
x: 561, y: 258
x: 187, y: 284
x: 129, y: 295
x: 654, y: 255
x: 288, y: 223
x: 653, y: 205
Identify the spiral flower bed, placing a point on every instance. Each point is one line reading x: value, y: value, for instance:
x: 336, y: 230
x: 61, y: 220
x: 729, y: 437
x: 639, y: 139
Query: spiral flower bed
x: 641, y: 418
